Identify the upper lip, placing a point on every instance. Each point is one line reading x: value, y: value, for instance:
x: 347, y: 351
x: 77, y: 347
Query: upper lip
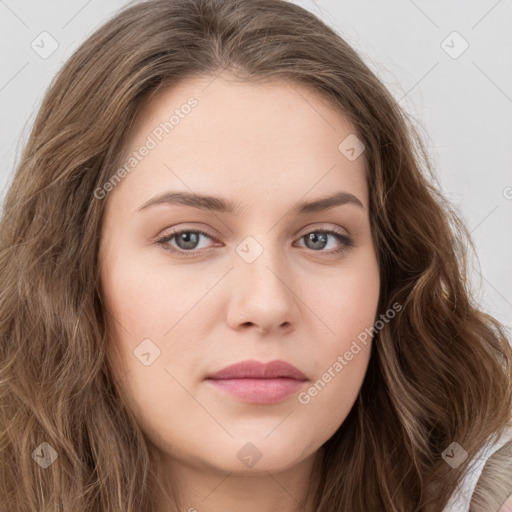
x: 252, y: 369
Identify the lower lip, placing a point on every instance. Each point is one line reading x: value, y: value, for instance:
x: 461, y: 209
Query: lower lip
x: 258, y: 391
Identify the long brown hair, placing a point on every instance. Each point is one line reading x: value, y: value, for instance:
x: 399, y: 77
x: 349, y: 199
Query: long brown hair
x: 440, y: 372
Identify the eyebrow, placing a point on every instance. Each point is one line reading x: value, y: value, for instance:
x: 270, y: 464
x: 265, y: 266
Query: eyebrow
x: 219, y: 204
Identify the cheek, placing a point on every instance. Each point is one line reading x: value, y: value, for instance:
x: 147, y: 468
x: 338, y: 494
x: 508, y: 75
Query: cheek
x: 151, y: 317
x: 348, y: 312
x: 142, y: 308
x: 146, y: 298
x: 326, y: 402
x: 341, y: 359
x: 347, y: 301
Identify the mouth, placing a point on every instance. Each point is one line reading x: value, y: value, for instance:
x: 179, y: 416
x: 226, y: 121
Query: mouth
x: 258, y: 383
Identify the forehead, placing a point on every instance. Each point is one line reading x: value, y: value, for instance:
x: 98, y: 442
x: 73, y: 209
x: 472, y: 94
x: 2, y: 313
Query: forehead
x: 240, y: 139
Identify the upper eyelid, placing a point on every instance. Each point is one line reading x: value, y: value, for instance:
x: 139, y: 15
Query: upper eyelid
x: 304, y: 231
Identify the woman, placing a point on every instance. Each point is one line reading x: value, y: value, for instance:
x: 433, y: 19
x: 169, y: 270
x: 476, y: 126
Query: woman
x: 228, y: 283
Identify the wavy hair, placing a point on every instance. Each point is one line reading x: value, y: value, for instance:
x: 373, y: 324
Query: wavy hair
x: 439, y: 372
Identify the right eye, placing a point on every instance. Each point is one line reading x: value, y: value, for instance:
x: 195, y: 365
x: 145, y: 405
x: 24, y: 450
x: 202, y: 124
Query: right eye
x: 186, y: 239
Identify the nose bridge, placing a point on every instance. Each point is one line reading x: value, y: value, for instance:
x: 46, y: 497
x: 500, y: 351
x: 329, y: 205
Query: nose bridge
x: 262, y: 289
x: 259, y: 260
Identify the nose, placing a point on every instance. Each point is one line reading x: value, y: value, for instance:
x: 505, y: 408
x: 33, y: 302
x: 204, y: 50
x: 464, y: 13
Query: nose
x: 263, y: 295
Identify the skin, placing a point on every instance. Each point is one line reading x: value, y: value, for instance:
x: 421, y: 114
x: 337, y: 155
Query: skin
x: 265, y: 147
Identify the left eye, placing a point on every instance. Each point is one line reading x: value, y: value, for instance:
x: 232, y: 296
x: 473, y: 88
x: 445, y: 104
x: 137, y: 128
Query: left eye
x: 187, y: 241
x: 320, y: 238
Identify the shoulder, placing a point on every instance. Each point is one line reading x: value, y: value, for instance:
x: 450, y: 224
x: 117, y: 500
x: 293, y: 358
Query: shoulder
x: 488, y: 479
x: 493, y: 491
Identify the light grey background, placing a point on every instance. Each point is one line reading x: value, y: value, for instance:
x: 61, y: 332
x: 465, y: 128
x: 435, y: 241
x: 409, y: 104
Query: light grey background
x: 463, y: 105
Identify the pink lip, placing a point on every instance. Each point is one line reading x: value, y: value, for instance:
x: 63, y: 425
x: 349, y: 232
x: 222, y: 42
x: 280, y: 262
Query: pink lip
x: 255, y: 382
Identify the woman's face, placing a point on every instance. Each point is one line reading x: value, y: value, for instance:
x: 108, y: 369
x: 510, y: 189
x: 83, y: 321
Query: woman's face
x: 265, y: 283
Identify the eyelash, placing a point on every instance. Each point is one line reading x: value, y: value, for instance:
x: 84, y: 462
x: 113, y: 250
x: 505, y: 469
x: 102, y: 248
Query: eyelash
x: 347, y: 242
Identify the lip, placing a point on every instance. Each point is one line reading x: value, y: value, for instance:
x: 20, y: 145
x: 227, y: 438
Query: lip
x: 260, y: 383
x: 253, y: 369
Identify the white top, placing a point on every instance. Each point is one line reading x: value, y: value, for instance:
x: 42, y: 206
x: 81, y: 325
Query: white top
x: 461, y: 498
